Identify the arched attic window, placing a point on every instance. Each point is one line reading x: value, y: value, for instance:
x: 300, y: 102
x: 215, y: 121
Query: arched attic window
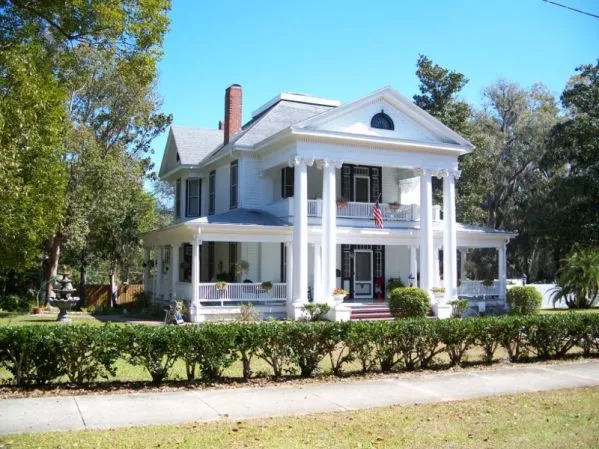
x: 382, y: 121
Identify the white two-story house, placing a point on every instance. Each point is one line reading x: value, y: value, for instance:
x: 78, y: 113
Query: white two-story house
x: 282, y: 209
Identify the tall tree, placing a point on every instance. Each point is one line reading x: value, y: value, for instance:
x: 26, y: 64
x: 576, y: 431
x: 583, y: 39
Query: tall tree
x: 572, y: 209
x: 82, y: 43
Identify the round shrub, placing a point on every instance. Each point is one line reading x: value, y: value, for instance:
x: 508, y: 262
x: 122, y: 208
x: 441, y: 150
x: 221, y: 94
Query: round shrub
x: 409, y: 302
x: 523, y: 300
x: 14, y: 303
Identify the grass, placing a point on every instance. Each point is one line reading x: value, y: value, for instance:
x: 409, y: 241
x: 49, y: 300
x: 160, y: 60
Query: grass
x: 555, y: 419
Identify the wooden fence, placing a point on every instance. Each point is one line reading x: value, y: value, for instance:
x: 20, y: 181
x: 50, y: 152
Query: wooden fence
x: 99, y: 295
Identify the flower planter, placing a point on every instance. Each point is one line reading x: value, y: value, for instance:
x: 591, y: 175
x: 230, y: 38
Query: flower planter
x: 37, y: 310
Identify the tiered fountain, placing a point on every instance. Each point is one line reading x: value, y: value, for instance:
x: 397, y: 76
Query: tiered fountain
x: 62, y: 297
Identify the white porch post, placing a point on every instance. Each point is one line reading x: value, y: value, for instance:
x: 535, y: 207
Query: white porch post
x: 195, y: 278
x: 450, y: 255
x: 317, y: 293
x: 502, y: 268
x: 414, y: 265
x: 159, y: 252
x: 155, y: 278
x: 289, y: 270
x: 426, y: 229
x: 463, y: 255
x: 183, y: 205
x: 329, y: 226
x: 146, y: 273
x: 174, y: 269
x: 300, y: 231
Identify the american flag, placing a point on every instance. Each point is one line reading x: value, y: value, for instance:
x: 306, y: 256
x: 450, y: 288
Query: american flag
x: 377, y: 215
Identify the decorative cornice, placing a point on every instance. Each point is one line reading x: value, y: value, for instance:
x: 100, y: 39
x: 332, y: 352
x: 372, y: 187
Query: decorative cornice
x: 439, y: 173
x: 298, y: 160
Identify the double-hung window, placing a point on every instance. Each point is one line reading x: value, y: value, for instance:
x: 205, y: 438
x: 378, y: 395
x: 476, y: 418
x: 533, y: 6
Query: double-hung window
x: 234, y: 184
x: 211, y: 192
x: 194, y: 194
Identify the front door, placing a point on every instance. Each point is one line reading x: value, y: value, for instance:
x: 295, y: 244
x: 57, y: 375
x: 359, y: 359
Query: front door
x: 363, y: 274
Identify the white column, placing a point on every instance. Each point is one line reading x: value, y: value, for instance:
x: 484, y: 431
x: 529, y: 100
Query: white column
x: 159, y: 256
x: 300, y: 230
x: 450, y: 262
x: 289, y: 270
x: 155, y: 277
x: 146, y: 274
x: 329, y: 225
x: 502, y: 268
x: 317, y: 291
x: 174, y: 269
x: 414, y: 265
x: 195, y: 277
x: 426, y: 229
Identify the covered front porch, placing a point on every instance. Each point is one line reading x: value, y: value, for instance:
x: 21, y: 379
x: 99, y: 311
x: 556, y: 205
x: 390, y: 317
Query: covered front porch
x: 218, y: 268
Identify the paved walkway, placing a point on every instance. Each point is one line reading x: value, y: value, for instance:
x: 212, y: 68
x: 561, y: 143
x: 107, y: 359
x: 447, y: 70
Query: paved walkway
x: 121, y: 410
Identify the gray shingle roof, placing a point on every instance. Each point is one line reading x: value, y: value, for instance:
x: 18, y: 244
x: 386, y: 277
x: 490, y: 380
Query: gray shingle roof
x: 243, y: 217
x: 280, y: 116
x: 194, y: 144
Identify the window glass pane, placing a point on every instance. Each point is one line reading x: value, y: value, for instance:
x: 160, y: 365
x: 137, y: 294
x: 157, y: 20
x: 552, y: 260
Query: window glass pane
x: 233, y: 198
x: 211, y: 192
x: 363, y: 266
x: 178, y: 198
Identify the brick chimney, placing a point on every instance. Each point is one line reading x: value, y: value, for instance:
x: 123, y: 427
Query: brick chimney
x: 233, y: 97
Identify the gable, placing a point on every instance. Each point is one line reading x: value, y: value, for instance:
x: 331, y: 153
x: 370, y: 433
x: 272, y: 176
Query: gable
x: 410, y: 123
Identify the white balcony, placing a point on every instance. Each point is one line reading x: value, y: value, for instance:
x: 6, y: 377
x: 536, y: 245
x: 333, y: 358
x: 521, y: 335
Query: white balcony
x: 352, y: 209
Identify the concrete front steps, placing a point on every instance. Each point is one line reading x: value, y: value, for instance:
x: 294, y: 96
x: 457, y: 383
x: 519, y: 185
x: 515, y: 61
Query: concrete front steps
x: 378, y: 312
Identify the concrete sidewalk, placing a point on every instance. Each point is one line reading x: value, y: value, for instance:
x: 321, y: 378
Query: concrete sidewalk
x: 122, y: 410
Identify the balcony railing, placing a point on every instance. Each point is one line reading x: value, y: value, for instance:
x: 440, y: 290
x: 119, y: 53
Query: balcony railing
x: 242, y: 293
x: 477, y: 289
x: 352, y: 209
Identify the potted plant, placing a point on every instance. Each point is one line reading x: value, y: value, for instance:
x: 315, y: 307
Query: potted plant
x: 394, y: 206
x: 339, y: 294
x: 220, y: 285
x: 341, y: 202
x: 266, y: 286
x: 438, y: 292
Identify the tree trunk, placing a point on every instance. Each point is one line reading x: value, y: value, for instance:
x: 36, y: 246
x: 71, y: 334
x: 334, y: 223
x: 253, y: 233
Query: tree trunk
x: 113, y: 295
x: 82, y: 283
x: 53, y: 264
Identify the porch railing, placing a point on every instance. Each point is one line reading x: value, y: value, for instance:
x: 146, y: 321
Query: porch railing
x: 352, y: 209
x: 476, y: 289
x: 242, y: 293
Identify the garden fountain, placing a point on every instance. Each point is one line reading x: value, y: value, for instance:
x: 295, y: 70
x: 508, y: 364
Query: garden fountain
x: 62, y: 297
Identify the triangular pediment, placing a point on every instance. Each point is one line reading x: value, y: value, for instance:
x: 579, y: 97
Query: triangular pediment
x: 410, y: 123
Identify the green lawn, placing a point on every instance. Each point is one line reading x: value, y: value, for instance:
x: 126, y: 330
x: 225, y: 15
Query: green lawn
x: 555, y: 419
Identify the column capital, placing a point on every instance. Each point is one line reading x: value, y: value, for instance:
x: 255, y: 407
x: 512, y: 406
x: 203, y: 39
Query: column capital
x: 300, y: 160
x: 425, y: 172
x: 449, y: 174
x: 197, y: 240
x: 326, y: 163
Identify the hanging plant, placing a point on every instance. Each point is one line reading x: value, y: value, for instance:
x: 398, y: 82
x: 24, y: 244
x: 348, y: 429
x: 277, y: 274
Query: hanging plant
x: 220, y: 285
x: 266, y: 285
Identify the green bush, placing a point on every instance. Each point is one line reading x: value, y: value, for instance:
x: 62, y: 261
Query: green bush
x: 316, y: 311
x: 523, y: 300
x: 394, y: 283
x: 409, y: 302
x: 309, y: 343
x: 210, y: 346
x: 87, y: 353
x: 41, y: 354
x: 143, y: 300
x: 458, y: 335
x: 29, y: 353
x: 156, y: 348
x: 14, y: 303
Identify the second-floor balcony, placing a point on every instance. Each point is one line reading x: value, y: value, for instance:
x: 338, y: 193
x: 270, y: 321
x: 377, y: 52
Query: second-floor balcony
x: 354, y: 209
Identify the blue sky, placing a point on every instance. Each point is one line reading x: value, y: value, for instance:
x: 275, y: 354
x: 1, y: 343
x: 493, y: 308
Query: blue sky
x: 346, y: 49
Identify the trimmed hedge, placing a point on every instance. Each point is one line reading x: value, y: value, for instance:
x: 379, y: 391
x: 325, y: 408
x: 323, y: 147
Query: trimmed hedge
x: 525, y: 300
x: 37, y: 355
x: 409, y: 302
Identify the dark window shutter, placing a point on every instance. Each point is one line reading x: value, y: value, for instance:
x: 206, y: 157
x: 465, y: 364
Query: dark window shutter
x: 346, y: 182
x: 375, y: 184
x: 287, y: 181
